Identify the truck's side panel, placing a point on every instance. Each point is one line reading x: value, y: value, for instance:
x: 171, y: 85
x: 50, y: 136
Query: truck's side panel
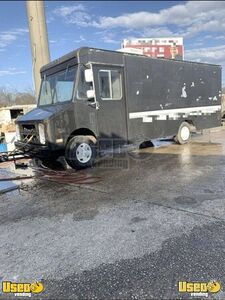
x: 111, y: 115
x: 163, y: 93
x: 102, y: 121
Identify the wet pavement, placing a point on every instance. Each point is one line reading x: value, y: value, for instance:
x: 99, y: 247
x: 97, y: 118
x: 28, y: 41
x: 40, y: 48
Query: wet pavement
x: 156, y: 217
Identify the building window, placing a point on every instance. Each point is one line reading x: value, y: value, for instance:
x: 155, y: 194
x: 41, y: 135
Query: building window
x: 14, y: 113
x: 110, y: 85
x: 161, y: 49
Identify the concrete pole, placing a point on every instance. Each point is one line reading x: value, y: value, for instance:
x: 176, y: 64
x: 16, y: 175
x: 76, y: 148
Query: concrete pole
x: 38, y: 39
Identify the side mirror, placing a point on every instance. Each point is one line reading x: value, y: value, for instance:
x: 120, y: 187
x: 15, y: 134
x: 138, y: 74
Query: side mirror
x: 90, y: 94
x: 88, y: 74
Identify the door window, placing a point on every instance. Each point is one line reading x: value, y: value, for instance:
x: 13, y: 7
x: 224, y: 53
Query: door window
x: 110, y: 85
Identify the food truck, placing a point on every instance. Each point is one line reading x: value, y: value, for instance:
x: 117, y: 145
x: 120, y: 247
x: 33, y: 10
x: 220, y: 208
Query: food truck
x: 91, y: 97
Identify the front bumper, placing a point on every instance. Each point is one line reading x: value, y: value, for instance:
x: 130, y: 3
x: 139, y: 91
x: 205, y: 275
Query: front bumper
x: 34, y: 150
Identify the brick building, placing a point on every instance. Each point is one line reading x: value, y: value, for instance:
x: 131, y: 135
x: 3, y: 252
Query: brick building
x: 158, y: 47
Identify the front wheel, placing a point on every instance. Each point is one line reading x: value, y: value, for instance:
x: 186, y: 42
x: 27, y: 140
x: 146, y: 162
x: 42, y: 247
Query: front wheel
x: 184, y: 134
x: 81, y: 151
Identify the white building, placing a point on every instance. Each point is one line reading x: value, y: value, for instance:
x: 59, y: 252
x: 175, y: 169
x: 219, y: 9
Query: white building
x: 8, y: 114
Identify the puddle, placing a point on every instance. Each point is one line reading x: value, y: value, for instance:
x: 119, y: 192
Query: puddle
x: 185, y: 200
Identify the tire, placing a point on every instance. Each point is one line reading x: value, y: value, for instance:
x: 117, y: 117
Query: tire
x: 184, y: 134
x: 81, y: 152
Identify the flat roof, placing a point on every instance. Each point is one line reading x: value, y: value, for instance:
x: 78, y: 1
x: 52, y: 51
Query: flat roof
x: 17, y: 106
x: 76, y: 53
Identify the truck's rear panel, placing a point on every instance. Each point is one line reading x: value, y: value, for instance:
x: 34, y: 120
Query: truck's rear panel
x: 163, y: 93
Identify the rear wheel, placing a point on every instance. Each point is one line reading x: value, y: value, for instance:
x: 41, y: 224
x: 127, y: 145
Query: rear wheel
x: 184, y: 134
x: 81, y: 151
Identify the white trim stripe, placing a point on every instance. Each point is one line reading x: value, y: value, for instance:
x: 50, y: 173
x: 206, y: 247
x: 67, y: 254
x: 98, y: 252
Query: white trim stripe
x: 174, y: 113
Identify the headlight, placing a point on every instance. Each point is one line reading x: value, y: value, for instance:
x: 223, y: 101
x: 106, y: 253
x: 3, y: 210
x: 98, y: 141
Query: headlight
x: 41, y: 130
x: 17, y: 132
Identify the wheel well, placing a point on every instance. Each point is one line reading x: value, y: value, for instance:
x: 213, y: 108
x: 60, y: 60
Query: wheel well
x: 189, y: 121
x: 81, y: 131
x: 146, y: 144
x: 193, y: 127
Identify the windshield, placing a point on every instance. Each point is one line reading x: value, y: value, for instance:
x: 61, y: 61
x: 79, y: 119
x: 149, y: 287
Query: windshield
x: 58, y: 87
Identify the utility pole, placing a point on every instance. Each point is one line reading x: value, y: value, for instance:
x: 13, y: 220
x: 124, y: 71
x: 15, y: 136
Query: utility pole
x: 38, y: 39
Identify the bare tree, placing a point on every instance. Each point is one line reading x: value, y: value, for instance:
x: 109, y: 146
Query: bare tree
x: 24, y: 98
x: 12, y: 97
x: 6, y: 97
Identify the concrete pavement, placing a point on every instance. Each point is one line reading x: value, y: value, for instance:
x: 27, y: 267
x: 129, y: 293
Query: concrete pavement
x: 157, y: 217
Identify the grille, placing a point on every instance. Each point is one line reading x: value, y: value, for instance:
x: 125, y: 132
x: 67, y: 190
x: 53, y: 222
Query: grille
x: 29, y: 133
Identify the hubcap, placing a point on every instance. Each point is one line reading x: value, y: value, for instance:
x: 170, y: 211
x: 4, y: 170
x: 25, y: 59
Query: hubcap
x: 185, y: 133
x: 83, y: 153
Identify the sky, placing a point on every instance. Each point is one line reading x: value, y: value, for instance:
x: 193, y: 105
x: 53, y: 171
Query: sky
x: 104, y: 24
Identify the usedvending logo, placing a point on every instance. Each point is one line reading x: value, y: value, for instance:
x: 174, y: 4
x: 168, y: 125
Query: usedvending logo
x: 199, y: 288
x: 22, y: 289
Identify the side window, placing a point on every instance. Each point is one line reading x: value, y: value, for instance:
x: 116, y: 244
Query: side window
x: 110, y: 86
x: 83, y: 86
